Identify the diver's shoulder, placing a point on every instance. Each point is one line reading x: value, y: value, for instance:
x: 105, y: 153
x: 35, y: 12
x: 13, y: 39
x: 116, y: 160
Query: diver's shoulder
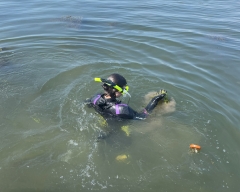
x: 98, y: 98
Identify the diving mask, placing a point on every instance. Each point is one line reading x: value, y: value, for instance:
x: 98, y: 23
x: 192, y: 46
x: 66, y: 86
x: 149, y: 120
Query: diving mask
x: 124, y: 90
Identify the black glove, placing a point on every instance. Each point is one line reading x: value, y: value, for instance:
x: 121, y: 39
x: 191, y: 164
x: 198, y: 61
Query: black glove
x: 153, y: 103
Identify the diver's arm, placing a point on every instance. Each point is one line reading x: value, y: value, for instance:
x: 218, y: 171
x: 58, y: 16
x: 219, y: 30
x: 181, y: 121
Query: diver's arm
x: 153, y: 103
x: 90, y: 102
x: 126, y: 112
x: 148, y: 109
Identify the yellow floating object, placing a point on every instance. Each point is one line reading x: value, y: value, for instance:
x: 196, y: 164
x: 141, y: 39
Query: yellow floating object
x: 166, y: 100
x: 126, y: 130
x: 121, y: 157
x: 102, y: 121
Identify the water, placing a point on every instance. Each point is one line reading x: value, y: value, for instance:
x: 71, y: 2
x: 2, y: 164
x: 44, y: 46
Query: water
x: 50, y: 53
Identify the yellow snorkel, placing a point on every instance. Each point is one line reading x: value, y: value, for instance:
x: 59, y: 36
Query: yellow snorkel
x: 124, y: 91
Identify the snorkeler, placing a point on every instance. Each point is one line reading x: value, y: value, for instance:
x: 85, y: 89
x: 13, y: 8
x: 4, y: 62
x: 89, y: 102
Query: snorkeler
x: 108, y: 105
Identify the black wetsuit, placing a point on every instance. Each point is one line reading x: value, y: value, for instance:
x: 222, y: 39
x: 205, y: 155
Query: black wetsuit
x: 114, y: 107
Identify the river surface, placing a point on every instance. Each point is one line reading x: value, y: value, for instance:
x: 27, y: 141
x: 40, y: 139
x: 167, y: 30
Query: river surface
x: 50, y: 52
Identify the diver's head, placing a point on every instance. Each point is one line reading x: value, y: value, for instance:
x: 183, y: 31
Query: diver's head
x: 114, y: 86
x: 118, y: 80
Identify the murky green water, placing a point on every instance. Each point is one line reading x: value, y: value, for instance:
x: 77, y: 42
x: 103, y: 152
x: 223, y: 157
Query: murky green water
x: 50, y: 53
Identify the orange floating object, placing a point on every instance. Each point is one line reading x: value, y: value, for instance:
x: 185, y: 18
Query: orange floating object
x: 196, y: 147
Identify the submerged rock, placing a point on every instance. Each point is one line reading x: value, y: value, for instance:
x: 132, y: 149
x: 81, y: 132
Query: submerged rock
x: 123, y: 158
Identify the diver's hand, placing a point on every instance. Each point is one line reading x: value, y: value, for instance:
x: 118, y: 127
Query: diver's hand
x: 153, y: 103
x: 161, y: 94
